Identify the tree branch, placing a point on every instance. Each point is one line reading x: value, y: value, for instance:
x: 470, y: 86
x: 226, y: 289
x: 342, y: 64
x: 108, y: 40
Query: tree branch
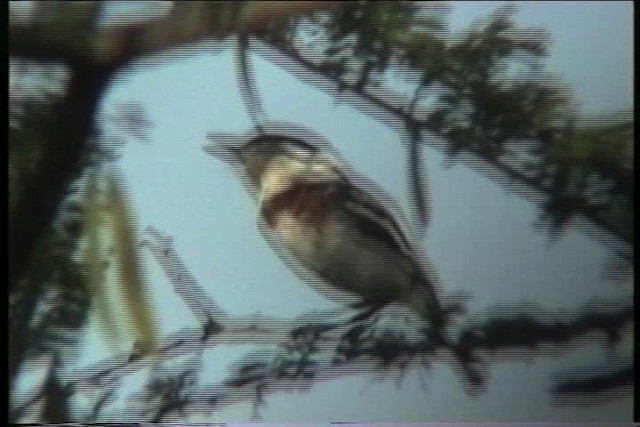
x: 381, y: 107
x: 320, y: 350
x: 115, y: 46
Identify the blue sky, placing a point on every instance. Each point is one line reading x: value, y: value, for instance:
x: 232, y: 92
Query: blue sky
x: 480, y: 237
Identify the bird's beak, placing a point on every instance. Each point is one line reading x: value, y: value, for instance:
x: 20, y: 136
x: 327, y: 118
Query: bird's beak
x: 224, y: 152
x: 228, y: 151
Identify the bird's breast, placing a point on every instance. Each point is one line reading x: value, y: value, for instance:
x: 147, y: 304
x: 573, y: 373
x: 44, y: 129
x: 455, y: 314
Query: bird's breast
x: 316, y: 232
x: 301, y: 217
x: 300, y: 207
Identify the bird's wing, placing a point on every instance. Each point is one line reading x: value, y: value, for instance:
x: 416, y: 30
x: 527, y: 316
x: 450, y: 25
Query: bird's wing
x: 375, y: 219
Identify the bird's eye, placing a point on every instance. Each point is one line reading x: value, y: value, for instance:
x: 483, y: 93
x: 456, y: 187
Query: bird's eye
x: 298, y: 152
x: 299, y: 146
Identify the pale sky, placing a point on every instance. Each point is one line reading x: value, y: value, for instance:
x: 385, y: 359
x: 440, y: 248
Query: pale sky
x: 481, y: 238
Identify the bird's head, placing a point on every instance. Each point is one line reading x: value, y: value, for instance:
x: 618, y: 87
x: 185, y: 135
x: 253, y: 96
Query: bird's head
x: 276, y: 160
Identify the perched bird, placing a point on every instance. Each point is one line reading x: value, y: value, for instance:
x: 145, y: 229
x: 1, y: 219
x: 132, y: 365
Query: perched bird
x: 316, y: 216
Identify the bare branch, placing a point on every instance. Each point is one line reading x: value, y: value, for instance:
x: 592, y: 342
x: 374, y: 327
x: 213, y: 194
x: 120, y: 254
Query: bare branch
x: 199, y: 302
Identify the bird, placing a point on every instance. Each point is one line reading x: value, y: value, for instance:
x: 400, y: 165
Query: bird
x: 316, y: 215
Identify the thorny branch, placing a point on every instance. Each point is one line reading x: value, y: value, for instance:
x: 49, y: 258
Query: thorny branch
x: 316, y: 347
